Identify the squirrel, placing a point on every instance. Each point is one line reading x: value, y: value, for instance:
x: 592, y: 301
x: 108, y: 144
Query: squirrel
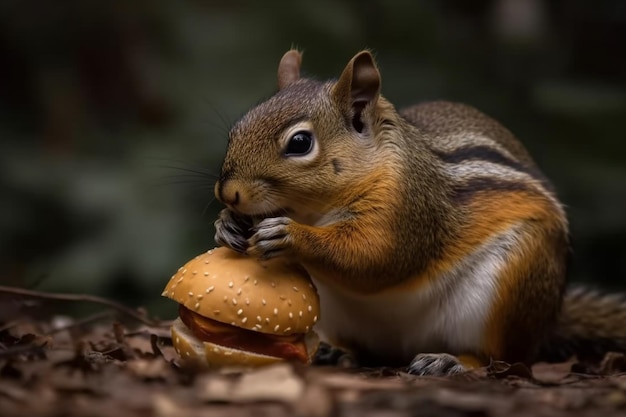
x: 434, y: 240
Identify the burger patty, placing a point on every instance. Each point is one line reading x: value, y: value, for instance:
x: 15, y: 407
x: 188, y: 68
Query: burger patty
x: 291, y: 347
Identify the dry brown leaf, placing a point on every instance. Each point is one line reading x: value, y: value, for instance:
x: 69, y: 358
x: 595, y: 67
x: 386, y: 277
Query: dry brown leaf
x: 613, y: 363
x: 499, y: 370
x: 149, y: 369
x: 271, y: 383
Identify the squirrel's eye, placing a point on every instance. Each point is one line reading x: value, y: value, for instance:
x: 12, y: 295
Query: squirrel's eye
x: 300, y: 143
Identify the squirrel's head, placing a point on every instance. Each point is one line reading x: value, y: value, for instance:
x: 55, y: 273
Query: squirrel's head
x: 299, y: 152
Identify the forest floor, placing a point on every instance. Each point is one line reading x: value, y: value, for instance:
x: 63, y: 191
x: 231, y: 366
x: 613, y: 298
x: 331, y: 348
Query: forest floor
x: 97, y: 366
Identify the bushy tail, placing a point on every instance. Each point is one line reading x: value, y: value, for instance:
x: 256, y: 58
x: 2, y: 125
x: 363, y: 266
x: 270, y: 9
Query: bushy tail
x: 590, y: 324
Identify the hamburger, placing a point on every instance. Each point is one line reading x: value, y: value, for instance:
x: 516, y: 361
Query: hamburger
x: 238, y: 310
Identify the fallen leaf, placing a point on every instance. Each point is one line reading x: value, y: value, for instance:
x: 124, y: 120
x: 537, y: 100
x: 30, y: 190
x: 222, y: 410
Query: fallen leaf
x: 148, y: 369
x: 613, y: 363
x: 270, y: 383
x: 500, y: 370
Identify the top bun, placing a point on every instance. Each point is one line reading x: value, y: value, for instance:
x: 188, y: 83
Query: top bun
x: 273, y: 296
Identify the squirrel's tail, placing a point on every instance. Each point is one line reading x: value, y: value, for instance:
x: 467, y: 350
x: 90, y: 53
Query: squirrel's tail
x: 590, y: 324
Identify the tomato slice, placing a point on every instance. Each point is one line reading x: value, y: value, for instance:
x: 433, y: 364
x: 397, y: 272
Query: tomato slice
x: 290, y: 347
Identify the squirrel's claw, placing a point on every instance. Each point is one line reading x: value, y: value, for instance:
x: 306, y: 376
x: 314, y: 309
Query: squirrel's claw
x: 232, y: 230
x: 435, y: 364
x: 270, y: 238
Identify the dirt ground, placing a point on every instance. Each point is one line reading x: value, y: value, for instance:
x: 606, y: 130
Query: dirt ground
x: 97, y: 366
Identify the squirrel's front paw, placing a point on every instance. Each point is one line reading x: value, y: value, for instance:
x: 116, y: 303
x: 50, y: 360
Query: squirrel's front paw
x: 435, y: 364
x: 270, y: 238
x: 232, y: 230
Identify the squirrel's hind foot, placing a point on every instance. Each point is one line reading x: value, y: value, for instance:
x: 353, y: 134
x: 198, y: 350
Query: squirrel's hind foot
x: 436, y: 364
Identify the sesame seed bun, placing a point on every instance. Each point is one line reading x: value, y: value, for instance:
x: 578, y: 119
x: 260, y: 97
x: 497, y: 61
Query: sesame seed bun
x: 264, y: 306
x: 272, y: 297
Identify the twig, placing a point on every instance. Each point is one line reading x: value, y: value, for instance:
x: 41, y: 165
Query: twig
x: 80, y: 298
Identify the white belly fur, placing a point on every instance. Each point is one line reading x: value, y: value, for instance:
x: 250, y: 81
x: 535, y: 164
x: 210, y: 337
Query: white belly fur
x: 448, y: 315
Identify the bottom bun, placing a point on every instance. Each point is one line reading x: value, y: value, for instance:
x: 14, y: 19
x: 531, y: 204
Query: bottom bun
x: 199, y: 354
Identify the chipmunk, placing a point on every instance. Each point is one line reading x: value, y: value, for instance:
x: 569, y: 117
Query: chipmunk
x: 434, y: 240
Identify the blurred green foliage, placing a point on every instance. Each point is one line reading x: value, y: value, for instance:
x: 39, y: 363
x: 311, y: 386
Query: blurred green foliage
x: 114, y: 116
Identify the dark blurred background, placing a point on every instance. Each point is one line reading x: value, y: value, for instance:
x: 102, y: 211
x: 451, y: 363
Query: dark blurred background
x: 113, y: 116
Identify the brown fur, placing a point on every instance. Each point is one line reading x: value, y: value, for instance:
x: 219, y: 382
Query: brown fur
x: 376, y: 210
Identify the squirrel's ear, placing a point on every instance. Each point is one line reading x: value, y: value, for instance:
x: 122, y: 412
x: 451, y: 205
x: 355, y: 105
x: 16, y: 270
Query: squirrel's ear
x: 289, y: 68
x: 358, y: 85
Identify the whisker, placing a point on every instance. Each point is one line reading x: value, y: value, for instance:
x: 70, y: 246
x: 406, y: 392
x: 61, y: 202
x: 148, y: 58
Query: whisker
x: 206, y: 207
x: 184, y: 166
x: 226, y: 123
x: 196, y: 171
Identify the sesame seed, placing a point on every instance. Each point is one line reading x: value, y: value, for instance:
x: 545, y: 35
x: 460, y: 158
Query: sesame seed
x: 288, y: 329
x: 275, y: 311
x: 310, y: 308
x: 216, y: 312
x: 245, y: 319
x: 263, y: 301
x: 179, y: 280
x: 256, y: 282
x: 289, y: 303
x: 239, y: 291
x: 164, y: 293
x: 273, y: 284
x: 282, y: 297
x: 247, y: 301
x: 211, y: 288
x: 306, y: 329
x: 194, y: 272
x: 290, y: 315
x: 225, y: 298
x: 180, y: 268
x: 276, y: 328
x: 247, y: 278
x: 190, y: 294
x: 295, y: 288
x: 258, y: 326
x: 206, y: 262
x: 259, y: 319
x: 240, y: 312
x: 177, y: 340
x: 230, y: 284
x: 314, y: 319
x: 227, y: 353
x: 187, y: 353
x: 206, y: 274
x: 173, y: 276
x: 267, y: 319
x: 304, y: 296
x: 210, y: 252
x: 184, y: 270
x: 197, y: 306
x: 199, y: 296
x: 300, y: 313
x: 216, y: 350
x: 172, y: 293
x: 232, y: 323
x: 234, y: 302
x: 174, y: 285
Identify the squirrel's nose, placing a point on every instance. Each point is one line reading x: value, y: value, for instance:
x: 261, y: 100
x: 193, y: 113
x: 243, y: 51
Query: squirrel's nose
x: 227, y: 192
